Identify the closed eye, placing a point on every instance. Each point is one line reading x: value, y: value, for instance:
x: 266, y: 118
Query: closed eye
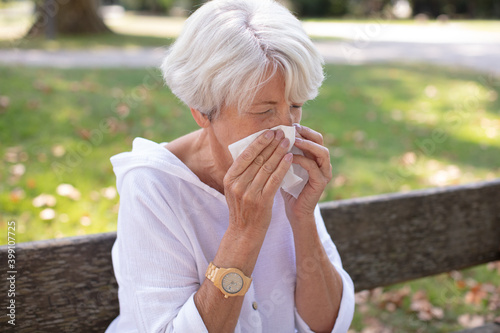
x: 265, y: 112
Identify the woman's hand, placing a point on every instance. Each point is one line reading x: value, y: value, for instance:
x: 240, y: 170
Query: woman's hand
x: 316, y: 161
x: 252, y: 181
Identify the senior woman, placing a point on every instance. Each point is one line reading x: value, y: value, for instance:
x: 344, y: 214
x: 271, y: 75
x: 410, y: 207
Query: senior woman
x: 208, y: 242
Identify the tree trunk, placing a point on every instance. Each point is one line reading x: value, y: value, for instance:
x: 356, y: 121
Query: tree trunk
x: 68, y: 17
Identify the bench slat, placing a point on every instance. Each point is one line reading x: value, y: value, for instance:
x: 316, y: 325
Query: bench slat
x: 64, y: 285
x: 398, y: 237
x: 68, y: 285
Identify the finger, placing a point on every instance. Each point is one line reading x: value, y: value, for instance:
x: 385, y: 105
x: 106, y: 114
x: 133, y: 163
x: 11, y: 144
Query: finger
x: 270, y: 165
x: 309, y: 134
x: 316, y: 152
x: 262, y: 158
x: 276, y: 178
x: 242, y: 162
x: 316, y: 176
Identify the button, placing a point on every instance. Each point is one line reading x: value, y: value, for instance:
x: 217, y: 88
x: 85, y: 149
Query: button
x: 254, y: 305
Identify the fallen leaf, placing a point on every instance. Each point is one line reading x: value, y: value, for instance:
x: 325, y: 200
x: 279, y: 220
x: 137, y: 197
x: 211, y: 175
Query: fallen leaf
x: 494, y: 265
x: 58, y: 150
x: 18, y: 170
x: 122, y: 110
x: 47, y: 214
x: 42, y: 86
x: 469, y: 321
x: 31, y: 183
x: 4, y: 102
x: 430, y: 91
x: 67, y: 190
x: 85, y: 220
x: 17, y: 194
x: 339, y: 181
x: 408, y: 158
x: 33, y: 104
x: 13, y: 154
x: 44, y: 200
x: 423, y: 307
x: 84, y: 133
x: 475, y: 295
x: 109, y: 192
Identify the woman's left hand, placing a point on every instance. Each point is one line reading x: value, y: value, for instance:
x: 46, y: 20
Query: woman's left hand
x: 316, y: 161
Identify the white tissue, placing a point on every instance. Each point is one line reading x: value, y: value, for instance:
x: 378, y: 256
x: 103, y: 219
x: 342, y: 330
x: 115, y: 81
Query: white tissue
x: 296, y: 177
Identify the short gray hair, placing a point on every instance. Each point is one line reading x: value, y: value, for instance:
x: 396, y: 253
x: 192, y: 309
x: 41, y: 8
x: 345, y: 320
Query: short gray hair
x: 227, y: 48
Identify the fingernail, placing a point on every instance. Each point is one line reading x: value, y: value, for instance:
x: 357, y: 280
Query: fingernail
x: 299, y: 140
x: 285, y: 143
x: 279, y: 134
x: 289, y: 157
x: 269, y: 134
x: 297, y: 126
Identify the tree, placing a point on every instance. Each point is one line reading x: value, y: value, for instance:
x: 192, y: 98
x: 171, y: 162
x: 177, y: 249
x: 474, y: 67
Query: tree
x: 67, y: 17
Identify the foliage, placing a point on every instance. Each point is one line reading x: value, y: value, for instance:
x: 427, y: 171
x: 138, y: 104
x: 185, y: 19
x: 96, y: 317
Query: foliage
x: 458, y: 8
x: 369, y: 8
x: 159, y: 6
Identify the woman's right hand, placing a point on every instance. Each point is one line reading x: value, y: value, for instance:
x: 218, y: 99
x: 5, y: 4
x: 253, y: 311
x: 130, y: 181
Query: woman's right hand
x: 251, y: 183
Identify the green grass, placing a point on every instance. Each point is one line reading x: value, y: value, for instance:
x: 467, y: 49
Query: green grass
x: 92, y: 42
x: 379, y: 122
x: 62, y: 126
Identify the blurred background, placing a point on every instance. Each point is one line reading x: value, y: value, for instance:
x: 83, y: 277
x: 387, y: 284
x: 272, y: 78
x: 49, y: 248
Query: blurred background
x: 411, y: 101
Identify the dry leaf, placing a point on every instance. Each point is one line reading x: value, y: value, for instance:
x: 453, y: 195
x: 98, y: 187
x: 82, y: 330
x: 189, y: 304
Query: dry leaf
x: 470, y: 321
x: 17, y: 194
x: 4, y: 102
x: 109, y: 192
x: 67, y: 190
x: 475, y: 295
x: 44, y: 200
x: 47, y: 214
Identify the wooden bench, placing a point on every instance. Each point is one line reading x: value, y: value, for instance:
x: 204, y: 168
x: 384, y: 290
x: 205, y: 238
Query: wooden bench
x: 67, y: 285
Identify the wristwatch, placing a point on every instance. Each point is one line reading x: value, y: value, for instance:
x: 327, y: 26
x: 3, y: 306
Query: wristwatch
x: 231, y: 281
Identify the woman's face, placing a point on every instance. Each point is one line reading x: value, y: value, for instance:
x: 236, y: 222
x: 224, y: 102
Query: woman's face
x: 268, y: 109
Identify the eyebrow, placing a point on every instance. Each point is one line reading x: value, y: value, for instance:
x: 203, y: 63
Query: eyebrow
x: 266, y: 103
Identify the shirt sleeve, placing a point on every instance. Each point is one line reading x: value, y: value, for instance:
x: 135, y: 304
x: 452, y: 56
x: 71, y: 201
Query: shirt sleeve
x: 153, y: 261
x: 346, y: 311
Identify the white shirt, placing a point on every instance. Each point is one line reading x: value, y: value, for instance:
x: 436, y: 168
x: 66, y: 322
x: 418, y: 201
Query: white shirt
x: 170, y: 225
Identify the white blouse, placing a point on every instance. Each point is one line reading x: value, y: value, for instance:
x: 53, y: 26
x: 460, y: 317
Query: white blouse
x: 170, y: 225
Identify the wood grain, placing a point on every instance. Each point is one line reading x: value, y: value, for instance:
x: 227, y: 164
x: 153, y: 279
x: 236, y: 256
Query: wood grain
x: 68, y: 285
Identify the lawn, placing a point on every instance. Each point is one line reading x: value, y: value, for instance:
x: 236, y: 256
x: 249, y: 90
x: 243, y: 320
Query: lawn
x: 89, y: 42
x: 388, y: 127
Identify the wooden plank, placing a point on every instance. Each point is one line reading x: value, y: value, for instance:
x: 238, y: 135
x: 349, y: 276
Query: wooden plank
x: 490, y: 328
x: 397, y: 237
x: 68, y: 285
x: 64, y: 285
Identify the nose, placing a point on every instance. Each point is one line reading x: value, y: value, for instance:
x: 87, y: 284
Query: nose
x: 285, y: 116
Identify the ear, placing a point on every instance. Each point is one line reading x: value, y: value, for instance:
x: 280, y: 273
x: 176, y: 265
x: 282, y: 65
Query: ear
x: 200, y: 118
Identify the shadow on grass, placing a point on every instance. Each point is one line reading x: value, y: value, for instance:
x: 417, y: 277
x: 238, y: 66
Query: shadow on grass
x: 95, y: 41
x: 63, y: 125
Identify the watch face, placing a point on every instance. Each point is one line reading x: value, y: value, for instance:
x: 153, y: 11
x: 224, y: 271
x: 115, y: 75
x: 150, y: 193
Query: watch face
x: 232, y: 283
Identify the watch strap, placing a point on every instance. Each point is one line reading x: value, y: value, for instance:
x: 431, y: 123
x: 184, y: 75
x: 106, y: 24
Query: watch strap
x: 212, y: 271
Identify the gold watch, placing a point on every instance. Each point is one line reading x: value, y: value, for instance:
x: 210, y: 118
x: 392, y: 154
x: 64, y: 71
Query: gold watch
x: 231, y: 281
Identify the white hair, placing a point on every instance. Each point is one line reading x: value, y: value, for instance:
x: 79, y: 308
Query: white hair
x: 228, y: 47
